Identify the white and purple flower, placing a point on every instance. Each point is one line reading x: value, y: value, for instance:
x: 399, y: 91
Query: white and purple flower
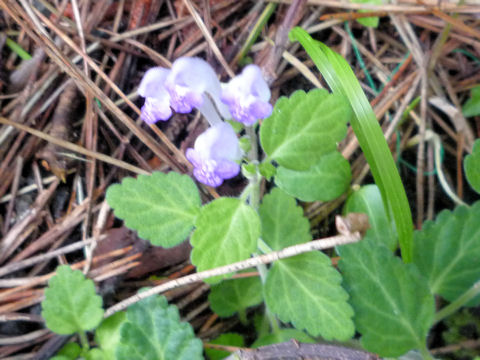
x: 215, y: 155
x: 191, y: 83
x: 247, y: 96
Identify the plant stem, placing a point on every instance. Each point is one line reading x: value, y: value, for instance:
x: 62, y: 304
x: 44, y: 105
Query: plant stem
x: 254, y: 197
x: 84, y: 340
x: 457, y: 304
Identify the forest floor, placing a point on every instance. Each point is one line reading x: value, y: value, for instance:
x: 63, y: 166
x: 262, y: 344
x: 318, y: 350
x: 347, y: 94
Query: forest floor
x: 70, y: 127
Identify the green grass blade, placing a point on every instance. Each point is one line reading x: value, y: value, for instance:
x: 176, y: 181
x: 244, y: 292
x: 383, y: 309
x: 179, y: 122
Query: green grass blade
x: 341, y: 79
x: 18, y: 49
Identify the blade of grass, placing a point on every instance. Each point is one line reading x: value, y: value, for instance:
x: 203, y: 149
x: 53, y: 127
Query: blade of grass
x: 341, y: 79
x: 24, y: 55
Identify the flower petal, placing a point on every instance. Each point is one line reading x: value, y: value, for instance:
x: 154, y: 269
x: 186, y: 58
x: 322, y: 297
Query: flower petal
x: 247, y: 96
x: 188, y: 82
x: 214, y: 154
x: 153, y: 83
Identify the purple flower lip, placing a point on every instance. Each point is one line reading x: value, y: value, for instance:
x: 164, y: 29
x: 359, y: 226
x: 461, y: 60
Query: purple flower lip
x: 214, y: 155
x: 247, y: 96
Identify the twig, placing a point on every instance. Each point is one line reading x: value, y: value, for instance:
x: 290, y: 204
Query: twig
x: 320, y: 244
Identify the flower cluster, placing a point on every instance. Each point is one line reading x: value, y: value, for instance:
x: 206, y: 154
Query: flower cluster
x: 192, y: 83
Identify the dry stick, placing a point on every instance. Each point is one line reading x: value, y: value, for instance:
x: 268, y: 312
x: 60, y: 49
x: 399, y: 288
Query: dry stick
x: 209, y: 38
x: 392, y: 8
x: 14, y: 192
x: 320, y: 244
x: 76, y: 148
x: 10, y: 268
x: 10, y: 241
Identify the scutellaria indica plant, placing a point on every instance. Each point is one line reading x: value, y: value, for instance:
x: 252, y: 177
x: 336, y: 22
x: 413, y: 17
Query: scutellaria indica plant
x: 386, y: 301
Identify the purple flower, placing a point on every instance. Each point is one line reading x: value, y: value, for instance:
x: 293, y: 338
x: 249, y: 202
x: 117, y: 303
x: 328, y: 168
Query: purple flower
x: 191, y: 83
x: 247, y: 96
x: 214, y: 155
x: 157, y: 98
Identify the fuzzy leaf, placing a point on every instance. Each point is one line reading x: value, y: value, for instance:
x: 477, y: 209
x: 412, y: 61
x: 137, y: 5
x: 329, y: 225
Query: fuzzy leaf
x: 304, y: 127
x: 231, y: 296
x: 107, y: 336
x: 447, y: 251
x: 276, y: 232
x: 368, y: 200
x: 153, y: 331
x: 227, y: 231
x: 393, y: 305
x: 161, y: 207
x: 305, y: 290
x: 325, y: 181
x: 471, y: 164
x: 282, y: 336
x: 71, y: 304
x: 230, y: 339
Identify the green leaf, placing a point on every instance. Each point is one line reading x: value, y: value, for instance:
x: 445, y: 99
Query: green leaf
x: 304, y: 127
x: 305, y: 290
x: 153, y: 331
x: 227, y: 232
x: 107, y: 336
x: 369, y: 201
x: 228, y: 339
x: 95, y: 354
x: 342, y: 80
x: 231, y: 296
x: 277, y: 233
x: 472, y: 106
x: 471, y: 164
x: 447, y: 251
x: 69, y: 351
x: 267, y: 170
x: 325, y: 181
x: 71, y: 304
x: 368, y: 21
x: 282, y: 336
x: 161, y: 207
x: 393, y: 305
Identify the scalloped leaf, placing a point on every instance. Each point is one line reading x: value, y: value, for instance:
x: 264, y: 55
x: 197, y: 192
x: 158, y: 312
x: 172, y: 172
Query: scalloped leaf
x: 71, y: 304
x: 229, y: 339
x: 153, y: 331
x: 283, y: 335
x: 231, y: 296
x: 162, y: 208
x: 325, y: 181
x: 471, y: 165
x: 304, y: 127
x: 447, y: 252
x: 276, y: 232
x: 368, y: 200
x: 394, y: 308
x: 305, y: 290
x: 227, y: 231
x: 107, y: 336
